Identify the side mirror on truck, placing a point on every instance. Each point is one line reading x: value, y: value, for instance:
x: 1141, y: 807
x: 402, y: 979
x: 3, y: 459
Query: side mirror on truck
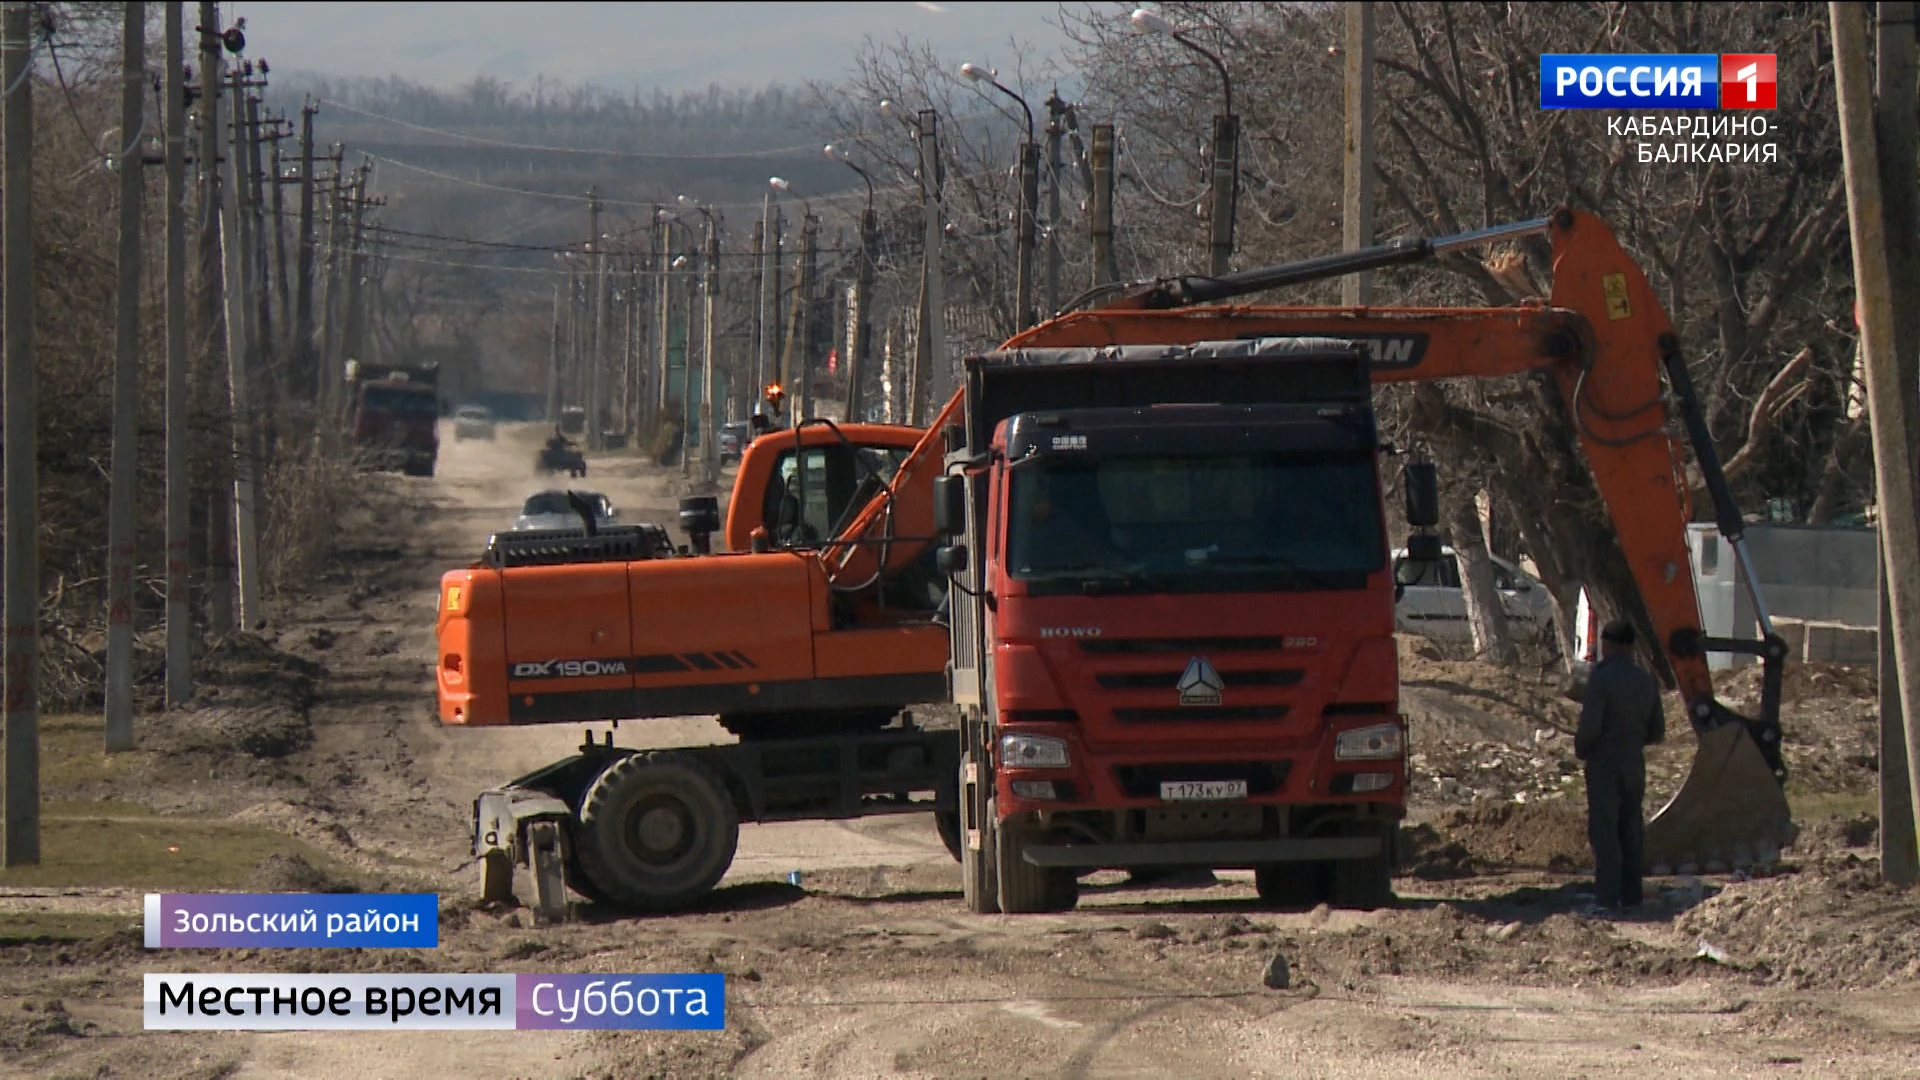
x: 1422, y: 481
x: 951, y: 559
x: 950, y: 505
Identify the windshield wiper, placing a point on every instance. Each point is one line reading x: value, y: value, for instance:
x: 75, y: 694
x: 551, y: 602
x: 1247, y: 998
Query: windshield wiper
x: 1269, y: 562
x: 1094, y: 577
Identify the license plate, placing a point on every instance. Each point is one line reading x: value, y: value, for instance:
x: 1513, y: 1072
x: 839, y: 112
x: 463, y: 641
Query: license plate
x: 1202, y: 790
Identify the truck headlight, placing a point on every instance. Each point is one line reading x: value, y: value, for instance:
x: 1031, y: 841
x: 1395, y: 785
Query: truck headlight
x: 1368, y: 743
x: 1033, y: 752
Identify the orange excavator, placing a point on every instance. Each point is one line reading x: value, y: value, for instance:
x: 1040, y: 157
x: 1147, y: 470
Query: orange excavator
x: 1279, y: 744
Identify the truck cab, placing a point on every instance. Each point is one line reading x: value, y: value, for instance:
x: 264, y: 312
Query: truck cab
x: 1173, y: 622
x: 396, y: 416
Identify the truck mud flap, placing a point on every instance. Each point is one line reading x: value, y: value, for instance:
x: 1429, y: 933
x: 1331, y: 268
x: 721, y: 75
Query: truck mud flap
x: 1731, y: 812
x: 1215, y: 853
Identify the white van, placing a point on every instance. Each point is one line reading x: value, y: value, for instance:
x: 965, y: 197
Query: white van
x: 1434, y: 607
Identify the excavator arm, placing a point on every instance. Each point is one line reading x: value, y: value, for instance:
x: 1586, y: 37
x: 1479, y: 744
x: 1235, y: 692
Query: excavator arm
x: 1606, y: 341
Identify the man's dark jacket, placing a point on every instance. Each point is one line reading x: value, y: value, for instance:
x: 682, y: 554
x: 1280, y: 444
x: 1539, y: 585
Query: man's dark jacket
x: 1620, y: 715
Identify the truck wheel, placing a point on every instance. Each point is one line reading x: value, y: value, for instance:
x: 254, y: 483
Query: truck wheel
x: 657, y: 831
x: 977, y: 883
x: 947, y: 824
x: 1290, y: 885
x: 1025, y: 887
x: 1365, y: 884
x: 579, y: 882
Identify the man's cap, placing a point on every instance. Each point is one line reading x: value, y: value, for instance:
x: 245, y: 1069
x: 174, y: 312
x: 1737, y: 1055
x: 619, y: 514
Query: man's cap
x: 1619, y: 631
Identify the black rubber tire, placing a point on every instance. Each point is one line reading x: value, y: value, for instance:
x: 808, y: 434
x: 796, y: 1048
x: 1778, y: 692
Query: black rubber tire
x: 1291, y: 885
x: 977, y: 884
x: 1024, y: 887
x: 579, y: 882
x: 657, y: 831
x: 1364, y: 884
x: 947, y: 824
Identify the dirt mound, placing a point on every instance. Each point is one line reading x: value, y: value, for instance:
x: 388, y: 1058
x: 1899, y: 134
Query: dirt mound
x: 293, y: 874
x: 251, y: 697
x: 1802, y: 682
x: 36, y: 1023
x: 1834, y: 924
x: 1542, y: 836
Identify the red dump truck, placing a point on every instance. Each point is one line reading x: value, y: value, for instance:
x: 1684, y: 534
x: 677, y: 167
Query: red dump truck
x: 395, y: 415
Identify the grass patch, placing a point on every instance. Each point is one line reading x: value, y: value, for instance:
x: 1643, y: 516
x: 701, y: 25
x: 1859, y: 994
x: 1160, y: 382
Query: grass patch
x: 45, y: 927
x: 153, y: 853
x: 73, y: 754
x: 1812, y: 805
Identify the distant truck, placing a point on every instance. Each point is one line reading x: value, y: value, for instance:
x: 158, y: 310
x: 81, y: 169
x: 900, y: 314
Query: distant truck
x: 395, y: 417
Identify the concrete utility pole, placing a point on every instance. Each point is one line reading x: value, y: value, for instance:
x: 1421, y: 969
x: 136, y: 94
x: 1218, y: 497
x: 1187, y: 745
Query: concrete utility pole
x: 260, y: 274
x: 1357, y: 289
x: 126, y: 381
x: 1896, y: 119
x: 935, y: 377
x: 687, y: 413
x: 283, y: 288
x: 553, y: 363
x: 1056, y: 109
x: 1029, y: 208
x: 860, y: 349
x: 303, y: 287
x: 803, y: 290
x: 239, y: 354
x: 1889, y: 413
x: 759, y: 316
x: 20, y: 802
x: 179, y: 484
x: 663, y: 317
x: 597, y: 363
x: 709, y: 433
x: 213, y: 280
x: 354, y: 318
x: 1100, y: 205
x: 332, y: 364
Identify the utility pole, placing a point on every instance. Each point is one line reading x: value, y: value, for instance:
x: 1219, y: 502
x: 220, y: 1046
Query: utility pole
x: 1895, y: 123
x: 1100, y: 205
x: 260, y: 276
x: 303, y: 288
x: 20, y: 831
x: 597, y: 361
x: 1357, y: 289
x: 553, y: 363
x: 935, y: 377
x: 1023, y: 258
x: 126, y: 382
x: 1226, y: 190
x: 213, y: 281
x: 332, y: 364
x: 759, y: 314
x: 179, y: 490
x: 802, y: 342
x: 283, y: 288
x: 1890, y: 415
x: 663, y: 316
x: 709, y: 434
x: 355, y: 317
x: 1056, y: 109
x: 687, y: 414
x: 860, y: 349
x: 238, y: 356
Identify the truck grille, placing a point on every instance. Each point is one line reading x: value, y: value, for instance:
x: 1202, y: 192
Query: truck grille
x: 1193, y: 712
x: 1167, y: 680
x: 1119, y: 646
x: 1262, y: 777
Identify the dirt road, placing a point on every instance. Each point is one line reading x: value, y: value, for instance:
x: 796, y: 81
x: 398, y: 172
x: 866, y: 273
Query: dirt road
x: 320, y: 739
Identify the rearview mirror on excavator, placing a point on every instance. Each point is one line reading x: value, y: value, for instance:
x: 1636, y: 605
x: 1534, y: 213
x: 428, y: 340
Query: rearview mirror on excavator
x: 1423, y: 497
x: 950, y: 505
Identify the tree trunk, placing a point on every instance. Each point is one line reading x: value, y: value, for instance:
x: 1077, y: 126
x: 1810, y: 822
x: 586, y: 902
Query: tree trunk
x: 1486, y: 614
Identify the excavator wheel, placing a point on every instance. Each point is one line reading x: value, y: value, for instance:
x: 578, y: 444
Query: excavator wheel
x: 1290, y: 886
x: 657, y: 831
x: 947, y: 824
x: 1731, y: 812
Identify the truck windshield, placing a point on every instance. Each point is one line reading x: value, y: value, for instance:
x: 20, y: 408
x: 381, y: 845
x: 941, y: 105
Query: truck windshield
x: 1278, y: 520
x: 401, y: 402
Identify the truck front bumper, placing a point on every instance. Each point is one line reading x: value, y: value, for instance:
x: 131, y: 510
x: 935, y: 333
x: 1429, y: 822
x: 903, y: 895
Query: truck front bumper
x: 1219, y: 854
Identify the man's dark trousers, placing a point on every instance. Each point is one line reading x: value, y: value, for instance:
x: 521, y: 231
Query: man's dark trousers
x: 1616, y: 790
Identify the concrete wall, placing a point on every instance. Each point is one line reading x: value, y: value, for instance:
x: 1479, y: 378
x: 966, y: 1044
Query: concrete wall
x: 1823, y: 577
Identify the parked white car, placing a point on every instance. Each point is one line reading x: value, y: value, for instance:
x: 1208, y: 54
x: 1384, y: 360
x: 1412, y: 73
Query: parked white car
x: 552, y: 510
x: 472, y: 422
x: 1434, y: 607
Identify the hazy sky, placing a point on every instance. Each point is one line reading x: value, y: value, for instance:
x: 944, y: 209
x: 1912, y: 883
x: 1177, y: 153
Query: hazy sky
x: 672, y: 46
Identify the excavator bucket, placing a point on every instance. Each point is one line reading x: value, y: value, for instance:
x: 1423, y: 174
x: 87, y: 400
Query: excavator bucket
x: 1729, y: 814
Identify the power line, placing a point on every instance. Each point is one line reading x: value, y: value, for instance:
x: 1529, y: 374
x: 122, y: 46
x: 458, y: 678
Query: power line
x: 604, y: 201
x: 785, y: 151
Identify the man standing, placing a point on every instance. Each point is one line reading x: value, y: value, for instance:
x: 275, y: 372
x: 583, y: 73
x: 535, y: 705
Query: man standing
x: 1619, y: 718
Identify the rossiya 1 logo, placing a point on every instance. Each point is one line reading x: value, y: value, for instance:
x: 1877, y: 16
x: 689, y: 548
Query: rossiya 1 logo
x: 1731, y: 92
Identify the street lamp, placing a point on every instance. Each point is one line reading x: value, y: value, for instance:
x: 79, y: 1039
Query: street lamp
x: 1029, y: 196
x: 1226, y: 142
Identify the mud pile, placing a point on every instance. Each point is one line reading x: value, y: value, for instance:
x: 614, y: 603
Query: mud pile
x: 250, y: 698
x: 1496, y: 836
x: 1834, y: 924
